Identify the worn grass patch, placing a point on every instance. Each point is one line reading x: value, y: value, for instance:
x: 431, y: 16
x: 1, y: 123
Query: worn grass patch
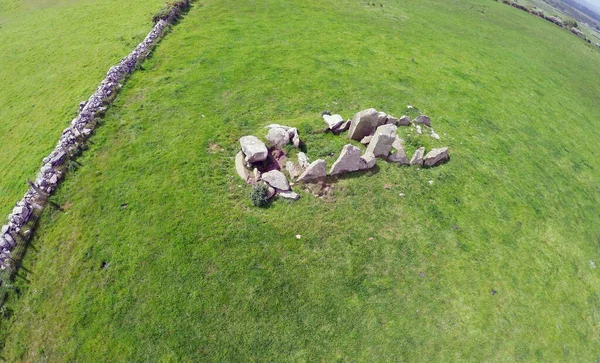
x: 162, y: 257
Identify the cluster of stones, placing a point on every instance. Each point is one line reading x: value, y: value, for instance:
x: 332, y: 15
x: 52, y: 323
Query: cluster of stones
x: 256, y: 163
x: 553, y: 19
x: 70, y: 144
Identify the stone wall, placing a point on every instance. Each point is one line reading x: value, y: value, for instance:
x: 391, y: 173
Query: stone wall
x: 18, y: 230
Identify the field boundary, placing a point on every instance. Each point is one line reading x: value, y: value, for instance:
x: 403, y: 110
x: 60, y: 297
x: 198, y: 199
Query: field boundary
x: 22, y: 222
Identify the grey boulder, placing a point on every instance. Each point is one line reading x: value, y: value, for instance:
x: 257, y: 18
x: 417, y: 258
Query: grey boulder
x: 382, y: 141
x: 348, y: 161
x: 276, y: 179
x: 254, y: 149
x: 367, y: 161
x: 333, y: 121
x: 363, y: 124
x: 436, y: 156
x: 289, y: 195
x: 417, y: 158
x: 278, y: 137
x: 293, y: 169
x: 303, y: 160
x: 317, y: 169
x: 423, y: 119
x: 240, y: 168
x: 404, y: 121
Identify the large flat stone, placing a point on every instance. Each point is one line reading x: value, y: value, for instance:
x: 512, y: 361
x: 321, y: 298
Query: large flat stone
x: 276, y: 179
x: 254, y: 149
x: 333, y: 121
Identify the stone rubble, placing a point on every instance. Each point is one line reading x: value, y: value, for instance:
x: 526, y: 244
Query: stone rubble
x: 376, y: 130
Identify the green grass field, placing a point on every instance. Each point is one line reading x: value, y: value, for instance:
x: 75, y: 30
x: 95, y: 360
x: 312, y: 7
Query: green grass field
x: 159, y: 255
x: 53, y: 54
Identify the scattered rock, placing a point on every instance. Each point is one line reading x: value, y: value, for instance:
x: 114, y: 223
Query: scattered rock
x: 289, y: 195
x: 392, y: 120
x: 436, y: 156
x: 366, y: 140
x: 317, y: 169
x: 367, y: 161
x: 387, y: 186
x: 341, y: 128
x: 404, y: 121
x: 333, y: 121
x: 382, y: 141
x: 278, y: 137
x: 276, y: 179
x: 303, y: 160
x: 417, y: 158
x: 399, y: 157
x: 397, y: 144
x: 419, y: 131
x: 401, y: 195
x: 240, y: 167
x: 295, y: 136
x: 363, y: 124
x: 423, y: 119
x: 348, y: 161
x: 434, y: 135
x: 254, y: 149
x: 298, y: 236
x: 270, y: 192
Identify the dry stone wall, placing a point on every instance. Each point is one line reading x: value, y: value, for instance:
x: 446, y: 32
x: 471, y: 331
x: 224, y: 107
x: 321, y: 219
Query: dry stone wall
x: 70, y: 144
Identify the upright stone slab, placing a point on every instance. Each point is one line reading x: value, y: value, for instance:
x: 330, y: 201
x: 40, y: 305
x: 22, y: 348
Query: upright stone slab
x: 278, y: 137
x: 382, y: 141
x: 363, y: 124
x: 436, y: 156
x: 303, y: 160
x: 348, y: 161
x: 240, y: 167
x: 417, y: 158
x: 254, y: 149
x: 317, y: 169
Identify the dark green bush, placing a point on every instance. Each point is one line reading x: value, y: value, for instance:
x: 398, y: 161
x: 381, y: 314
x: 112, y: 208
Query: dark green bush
x: 259, y: 195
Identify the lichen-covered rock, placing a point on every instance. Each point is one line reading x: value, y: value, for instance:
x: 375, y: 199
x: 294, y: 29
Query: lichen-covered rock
x: 363, y: 124
x: 417, y: 158
x: 317, y: 169
x: 348, y: 161
x: 382, y: 141
x: 276, y: 179
x: 254, y: 149
x: 436, y: 156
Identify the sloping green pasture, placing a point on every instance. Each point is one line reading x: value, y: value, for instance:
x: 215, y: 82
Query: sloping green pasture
x: 158, y: 254
x: 53, y: 54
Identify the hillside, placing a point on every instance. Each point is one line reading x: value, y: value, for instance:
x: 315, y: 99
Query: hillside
x: 157, y: 253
